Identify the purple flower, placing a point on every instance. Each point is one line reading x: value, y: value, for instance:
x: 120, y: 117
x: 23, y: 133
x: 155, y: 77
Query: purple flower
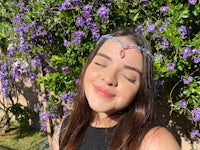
x: 2, y: 75
x: 166, y: 23
x: 161, y: 27
x: 11, y: 51
x: 187, y: 52
x: 77, y: 81
x: 44, y: 116
x: 50, y: 38
x: 77, y: 37
x: 164, y: 9
x: 192, y: 2
x: 17, y: 69
x: 139, y: 27
x: 25, y: 28
x: 195, y: 133
x: 198, y: 51
x: 103, y: 11
x: 24, y: 48
x: 64, y: 33
x: 87, y: 9
x: 5, y: 83
x: 165, y: 43
x: 43, y: 127
x: 183, y: 104
x: 6, y: 91
x: 65, y: 5
x: 150, y: 27
x: 22, y: 9
x: 33, y: 76
x: 3, y: 68
x: 64, y: 97
x: 160, y: 57
x: 65, y: 69
x: 77, y: 3
x: 105, y: 19
x: 53, y: 115
x: 196, y: 114
x: 66, y: 43
x: 197, y: 60
x: 159, y: 84
x: 70, y: 99
x: 184, y: 31
x: 89, y: 22
x: 79, y: 21
x: 64, y: 110
x: 170, y: 66
x: 156, y: 35
x: 95, y: 34
x: 47, y: 70
x: 187, y: 80
x: 46, y: 97
x: 17, y: 19
x: 143, y: 2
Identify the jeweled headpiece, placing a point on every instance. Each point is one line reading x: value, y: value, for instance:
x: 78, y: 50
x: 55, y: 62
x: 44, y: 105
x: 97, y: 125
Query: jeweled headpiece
x: 125, y: 47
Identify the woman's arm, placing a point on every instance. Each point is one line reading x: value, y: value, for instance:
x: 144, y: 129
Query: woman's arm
x: 159, y: 138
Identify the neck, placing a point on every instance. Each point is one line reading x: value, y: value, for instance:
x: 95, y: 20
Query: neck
x: 104, y: 121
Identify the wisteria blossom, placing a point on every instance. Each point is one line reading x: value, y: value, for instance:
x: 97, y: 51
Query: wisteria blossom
x: 170, y: 66
x: 164, y: 9
x: 192, y: 2
x: 187, y: 80
x: 150, y: 27
x: 183, y: 104
x: 196, y: 114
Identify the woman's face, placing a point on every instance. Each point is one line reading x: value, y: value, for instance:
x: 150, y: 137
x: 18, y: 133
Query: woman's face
x: 112, y: 82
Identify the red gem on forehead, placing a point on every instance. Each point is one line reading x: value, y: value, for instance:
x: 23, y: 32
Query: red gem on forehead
x: 122, y: 53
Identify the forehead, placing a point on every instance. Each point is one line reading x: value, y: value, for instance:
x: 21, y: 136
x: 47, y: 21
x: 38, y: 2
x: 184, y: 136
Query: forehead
x: 112, y: 49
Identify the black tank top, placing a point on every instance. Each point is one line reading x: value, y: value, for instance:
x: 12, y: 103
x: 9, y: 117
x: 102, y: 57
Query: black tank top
x: 100, y: 138
x: 96, y: 138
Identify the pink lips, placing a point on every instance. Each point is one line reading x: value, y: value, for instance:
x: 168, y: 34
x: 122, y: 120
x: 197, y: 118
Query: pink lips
x: 103, y: 92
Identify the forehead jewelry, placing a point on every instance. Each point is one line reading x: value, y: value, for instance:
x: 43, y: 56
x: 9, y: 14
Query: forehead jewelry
x: 125, y: 47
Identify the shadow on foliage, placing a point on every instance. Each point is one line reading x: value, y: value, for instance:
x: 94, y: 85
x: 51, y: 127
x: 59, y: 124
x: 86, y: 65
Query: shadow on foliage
x: 26, y: 132
x: 26, y: 99
x: 178, y: 124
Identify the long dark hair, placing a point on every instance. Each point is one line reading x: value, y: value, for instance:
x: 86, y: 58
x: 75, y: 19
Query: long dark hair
x: 135, y: 119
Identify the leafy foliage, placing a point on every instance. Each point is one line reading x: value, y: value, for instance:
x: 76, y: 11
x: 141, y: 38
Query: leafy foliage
x: 55, y: 37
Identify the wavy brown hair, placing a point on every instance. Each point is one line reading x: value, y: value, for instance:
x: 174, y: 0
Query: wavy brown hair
x: 135, y: 120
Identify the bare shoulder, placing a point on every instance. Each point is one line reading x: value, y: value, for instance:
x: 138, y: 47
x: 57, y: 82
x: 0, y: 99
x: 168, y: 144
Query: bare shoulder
x: 159, y: 138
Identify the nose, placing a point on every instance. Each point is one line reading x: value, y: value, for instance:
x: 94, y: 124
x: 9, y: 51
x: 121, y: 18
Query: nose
x: 109, y: 78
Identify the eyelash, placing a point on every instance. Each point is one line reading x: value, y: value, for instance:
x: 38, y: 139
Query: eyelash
x: 130, y: 80
x: 99, y: 64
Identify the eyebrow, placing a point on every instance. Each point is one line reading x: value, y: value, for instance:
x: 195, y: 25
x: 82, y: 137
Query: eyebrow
x: 125, y: 66
x: 133, y: 68
x: 105, y: 56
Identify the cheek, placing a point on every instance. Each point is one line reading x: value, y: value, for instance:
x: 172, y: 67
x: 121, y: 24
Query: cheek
x: 129, y: 92
x: 91, y: 74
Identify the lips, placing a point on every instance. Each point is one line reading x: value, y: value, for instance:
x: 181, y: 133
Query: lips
x: 103, y: 92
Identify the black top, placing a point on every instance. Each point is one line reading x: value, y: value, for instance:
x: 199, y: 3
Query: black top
x: 99, y: 138
x: 96, y: 138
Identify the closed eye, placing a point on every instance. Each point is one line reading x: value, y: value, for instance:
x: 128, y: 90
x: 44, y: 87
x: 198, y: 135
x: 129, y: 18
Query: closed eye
x: 129, y: 79
x: 99, y: 64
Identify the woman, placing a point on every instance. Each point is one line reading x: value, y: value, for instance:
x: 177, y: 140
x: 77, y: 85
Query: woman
x: 114, y: 103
